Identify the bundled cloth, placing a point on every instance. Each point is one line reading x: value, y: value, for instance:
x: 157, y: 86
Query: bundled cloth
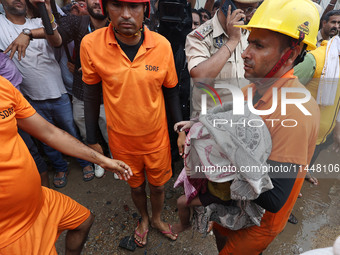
x: 223, y: 147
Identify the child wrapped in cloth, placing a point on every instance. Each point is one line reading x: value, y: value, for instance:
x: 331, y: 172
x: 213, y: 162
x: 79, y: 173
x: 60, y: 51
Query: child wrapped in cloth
x: 224, y: 170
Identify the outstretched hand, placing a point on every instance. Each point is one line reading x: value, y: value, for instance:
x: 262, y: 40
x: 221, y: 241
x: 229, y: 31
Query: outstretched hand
x: 118, y: 167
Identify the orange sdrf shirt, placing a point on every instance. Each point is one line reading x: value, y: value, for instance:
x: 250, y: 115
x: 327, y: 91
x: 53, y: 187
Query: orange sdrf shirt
x: 289, y: 144
x: 132, y: 91
x: 21, y: 196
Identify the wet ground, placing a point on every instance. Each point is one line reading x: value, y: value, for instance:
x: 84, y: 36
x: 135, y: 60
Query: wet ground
x: 109, y: 200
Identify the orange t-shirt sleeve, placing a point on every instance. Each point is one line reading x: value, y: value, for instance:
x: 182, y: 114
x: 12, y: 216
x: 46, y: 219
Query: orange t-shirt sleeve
x: 23, y: 108
x: 90, y: 75
x: 170, y: 80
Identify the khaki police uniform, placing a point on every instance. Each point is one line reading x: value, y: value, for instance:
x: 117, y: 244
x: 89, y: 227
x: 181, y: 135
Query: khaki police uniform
x: 319, y: 39
x: 201, y: 44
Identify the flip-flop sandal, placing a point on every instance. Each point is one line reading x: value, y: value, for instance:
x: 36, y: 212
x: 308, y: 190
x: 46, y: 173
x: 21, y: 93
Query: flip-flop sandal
x: 141, y: 236
x: 63, y: 179
x: 86, y: 179
x: 128, y: 243
x: 292, y: 219
x: 170, y: 232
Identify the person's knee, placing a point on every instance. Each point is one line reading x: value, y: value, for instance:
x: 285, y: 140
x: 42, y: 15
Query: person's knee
x: 138, y: 190
x: 182, y: 201
x: 86, y: 225
x: 156, y: 189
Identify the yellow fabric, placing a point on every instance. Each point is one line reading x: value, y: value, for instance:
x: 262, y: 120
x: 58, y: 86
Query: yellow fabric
x: 328, y: 113
x: 220, y: 190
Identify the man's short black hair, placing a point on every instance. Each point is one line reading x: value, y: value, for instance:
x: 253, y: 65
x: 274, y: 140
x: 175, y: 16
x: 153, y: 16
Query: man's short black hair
x: 202, y: 10
x: 198, y: 13
x: 286, y: 42
x: 330, y: 14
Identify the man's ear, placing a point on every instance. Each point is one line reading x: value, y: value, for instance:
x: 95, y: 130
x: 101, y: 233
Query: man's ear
x: 295, y: 53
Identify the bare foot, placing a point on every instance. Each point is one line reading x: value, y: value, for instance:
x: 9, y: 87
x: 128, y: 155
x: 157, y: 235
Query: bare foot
x: 60, y: 179
x: 179, y: 228
x: 88, y: 173
x: 141, y: 233
x: 210, y: 226
x: 311, y: 179
x: 165, y: 229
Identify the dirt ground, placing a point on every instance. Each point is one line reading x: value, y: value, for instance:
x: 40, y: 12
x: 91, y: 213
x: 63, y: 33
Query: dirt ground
x: 116, y: 216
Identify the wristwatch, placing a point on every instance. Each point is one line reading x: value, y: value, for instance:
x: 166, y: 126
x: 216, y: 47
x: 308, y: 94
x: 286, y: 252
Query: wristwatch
x: 27, y: 31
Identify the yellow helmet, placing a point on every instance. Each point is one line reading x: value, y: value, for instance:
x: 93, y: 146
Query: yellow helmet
x: 290, y: 17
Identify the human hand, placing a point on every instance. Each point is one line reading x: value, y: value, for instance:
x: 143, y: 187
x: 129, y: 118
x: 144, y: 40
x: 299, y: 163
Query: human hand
x: 118, y: 167
x: 71, y: 67
x: 181, y: 142
x: 210, y: 226
x: 19, y: 44
x: 232, y: 19
x: 182, y: 126
x: 47, y: 3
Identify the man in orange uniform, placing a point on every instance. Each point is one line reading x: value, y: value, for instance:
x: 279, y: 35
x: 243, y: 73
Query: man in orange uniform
x: 31, y: 216
x: 136, y: 70
x: 280, y: 30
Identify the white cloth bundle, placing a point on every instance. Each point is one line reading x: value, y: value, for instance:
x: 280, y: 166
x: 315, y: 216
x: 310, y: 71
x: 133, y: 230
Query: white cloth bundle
x: 330, y: 73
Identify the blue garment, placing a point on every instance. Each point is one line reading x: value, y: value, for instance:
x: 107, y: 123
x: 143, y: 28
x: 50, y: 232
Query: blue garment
x: 58, y: 112
x: 61, y: 57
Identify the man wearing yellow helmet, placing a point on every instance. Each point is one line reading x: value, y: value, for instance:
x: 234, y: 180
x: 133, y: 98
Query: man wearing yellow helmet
x: 279, y: 31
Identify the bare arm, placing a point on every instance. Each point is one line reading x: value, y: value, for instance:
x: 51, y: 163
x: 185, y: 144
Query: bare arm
x: 55, y: 39
x: 67, y: 144
x: 211, y: 67
x: 21, y: 43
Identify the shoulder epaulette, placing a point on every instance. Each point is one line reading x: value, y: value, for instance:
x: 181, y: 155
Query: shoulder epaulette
x: 203, y: 31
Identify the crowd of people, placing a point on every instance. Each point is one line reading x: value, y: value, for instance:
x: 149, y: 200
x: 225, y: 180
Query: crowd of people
x: 121, y: 85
